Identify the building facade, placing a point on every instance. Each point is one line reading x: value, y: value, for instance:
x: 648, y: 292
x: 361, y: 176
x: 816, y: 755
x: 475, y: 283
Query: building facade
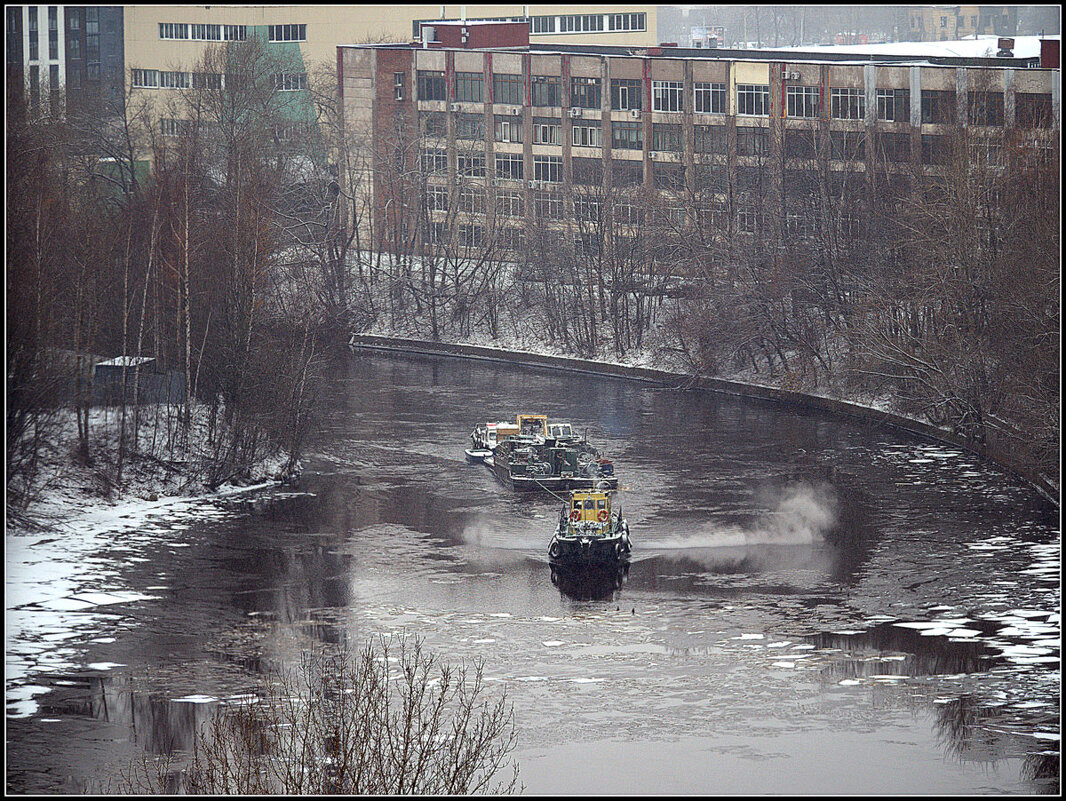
x: 510, y: 139
x: 944, y: 23
x: 66, y: 56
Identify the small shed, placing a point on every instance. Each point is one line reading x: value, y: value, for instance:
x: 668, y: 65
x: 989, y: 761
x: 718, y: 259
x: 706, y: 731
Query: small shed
x: 153, y: 384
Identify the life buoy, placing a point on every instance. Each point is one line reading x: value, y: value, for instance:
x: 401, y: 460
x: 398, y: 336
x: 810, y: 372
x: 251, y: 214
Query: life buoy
x: 554, y: 550
x: 575, y: 515
x: 602, y: 515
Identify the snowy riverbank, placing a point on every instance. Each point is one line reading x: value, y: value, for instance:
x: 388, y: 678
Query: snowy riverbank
x: 164, y: 471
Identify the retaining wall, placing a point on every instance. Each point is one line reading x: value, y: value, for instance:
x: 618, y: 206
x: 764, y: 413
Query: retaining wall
x: 673, y: 379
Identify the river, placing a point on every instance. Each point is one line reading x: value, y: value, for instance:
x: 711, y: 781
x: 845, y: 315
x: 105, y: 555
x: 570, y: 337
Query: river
x: 815, y: 605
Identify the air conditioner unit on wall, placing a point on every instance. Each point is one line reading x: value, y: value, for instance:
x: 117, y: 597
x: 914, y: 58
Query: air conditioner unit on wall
x: 635, y: 112
x: 792, y: 76
x: 454, y: 106
x: 517, y: 112
x: 532, y: 184
x: 575, y: 112
x: 652, y: 154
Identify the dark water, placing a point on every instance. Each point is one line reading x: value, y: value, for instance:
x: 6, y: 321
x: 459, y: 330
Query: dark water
x: 813, y: 605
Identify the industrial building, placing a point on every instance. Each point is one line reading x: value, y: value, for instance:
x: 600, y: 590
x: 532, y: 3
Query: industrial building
x: 515, y: 134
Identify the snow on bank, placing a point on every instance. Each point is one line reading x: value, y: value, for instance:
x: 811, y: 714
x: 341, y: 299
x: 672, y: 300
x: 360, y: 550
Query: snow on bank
x: 64, y: 560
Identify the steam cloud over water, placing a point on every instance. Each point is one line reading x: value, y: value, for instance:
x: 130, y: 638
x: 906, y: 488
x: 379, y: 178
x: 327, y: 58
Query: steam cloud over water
x: 801, y: 515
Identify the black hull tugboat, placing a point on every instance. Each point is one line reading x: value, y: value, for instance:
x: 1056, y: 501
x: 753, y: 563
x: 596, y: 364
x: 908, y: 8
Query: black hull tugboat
x: 589, y: 540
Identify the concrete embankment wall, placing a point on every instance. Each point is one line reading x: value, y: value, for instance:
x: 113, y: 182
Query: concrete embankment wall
x: 673, y: 379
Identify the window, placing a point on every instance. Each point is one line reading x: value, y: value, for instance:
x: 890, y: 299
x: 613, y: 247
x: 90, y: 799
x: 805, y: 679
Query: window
x: 431, y: 85
x: 896, y: 147
x: 73, y: 19
x: 31, y: 26
x: 586, y: 133
x: 509, y: 166
x: 938, y: 107
x: 172, y: 128
x: 546, y: 130
x: 628, y: 213
x: 472, y: 200
x: 802, y: 101
x: 577, y: 23
x: 667, y: 96
x: 74, y: 47
x: 627, y: 135
x: 145, y: 79
x: 173, y: 30
x: 847, y: 104
x: 586, y: 93
x: 399, y: 85
x: 893, y: 105
x: 543, y: 24
x: 433, y: 162
x: 437, y: 198
x: 207, y: 80
x: 548, y: 205
x: 753, y: 99
x: 1032, y: 110
x: 545, y: 91
x: 508, y: 129
x: 847, y: 145
x: 290, y: 81
x: 288, y: 33
x: 470, y: 236
x: 471, y: 165
x: 710, y: 139
x: 234, y: 33
x: 800, y: 144
x: 627, y: 22
x: 507, y: 89
x: 936, y: 149
x: 710, y: 98
x: 986, y: 108
x: 587, y: 172
x: 747, y: 219
x: 512, y: 238
x: 206, y: 33
x: 799, y: 226
x: 669, y: 176
x: 625, y: 94
x: 987, y: 151
x: 627, y: 173
x: 752, y: 141
x: 666, y: 138
x: 468, y: 87
x: 509, y: 204
x: 469, y: 126
x: 548, y: 168
x: 588, y: 208
x: 174, y: 80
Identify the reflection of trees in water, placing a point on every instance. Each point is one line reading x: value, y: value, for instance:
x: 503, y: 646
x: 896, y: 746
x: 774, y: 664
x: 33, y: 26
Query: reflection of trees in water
x: 924, y: 656
x: 1045, y: 770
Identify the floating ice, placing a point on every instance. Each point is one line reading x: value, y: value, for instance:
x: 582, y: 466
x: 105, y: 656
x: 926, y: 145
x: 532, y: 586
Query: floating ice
x: 784, y: 664
x: 194, y: 699
x: 552, y: 643
x: 104, y: 665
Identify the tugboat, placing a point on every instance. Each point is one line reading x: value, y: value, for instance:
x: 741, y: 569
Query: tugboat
x: 588, y: 537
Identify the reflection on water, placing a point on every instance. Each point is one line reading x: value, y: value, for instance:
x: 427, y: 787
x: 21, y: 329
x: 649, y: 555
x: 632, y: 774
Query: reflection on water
x: 790, y: 574
x: 591, y: 584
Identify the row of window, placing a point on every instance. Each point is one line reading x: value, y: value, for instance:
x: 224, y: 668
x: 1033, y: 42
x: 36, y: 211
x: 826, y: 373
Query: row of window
x: 713, y: 139
x: 588, y: 23
x: 206, y: 32
x: 166, y: 79
x: 284, y: 132
x: 893, y: 105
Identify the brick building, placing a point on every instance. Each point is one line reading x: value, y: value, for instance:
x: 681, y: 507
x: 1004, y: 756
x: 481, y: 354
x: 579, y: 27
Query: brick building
x: 491, y: 142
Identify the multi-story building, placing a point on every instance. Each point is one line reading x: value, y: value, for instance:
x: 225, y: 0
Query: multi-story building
x: 943, y: 23
x: 65, y: 55
x: 509, y: 137
x: 165, y: 43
